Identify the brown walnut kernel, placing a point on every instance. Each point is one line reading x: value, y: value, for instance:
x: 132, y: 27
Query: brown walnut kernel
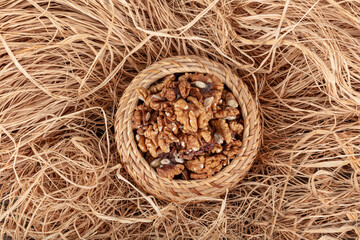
x: 143, y: 94
x: 137, y: 119
x: 170, y: 91
x: 195, y: 92
x: 184, y: 86
x: 232, y: 149
x: 191, y: 142
x: 223, y: 129
x: 151, y: 147
x: 196, y: 165
x: 158, y: 87
x: 141, y: 130
x: 204, y: 118
x: 141, y: 116
x: 217, y: 148
x: 206, y: 135
x: 169, y: 94
x: 166, y: 138
x: 141, y: 142
x: 170, y: 170
x: 236, y: 127
x: 158, y: 103
x: 204, y: 167
x: 185, y: 116
x: 229, y: 113
x: 188, y: 125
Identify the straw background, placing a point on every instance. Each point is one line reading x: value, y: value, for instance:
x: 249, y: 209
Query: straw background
x: 64, y: 65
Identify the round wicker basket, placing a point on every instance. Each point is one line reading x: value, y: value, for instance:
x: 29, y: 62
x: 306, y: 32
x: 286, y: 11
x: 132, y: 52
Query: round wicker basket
x: 177, y: 190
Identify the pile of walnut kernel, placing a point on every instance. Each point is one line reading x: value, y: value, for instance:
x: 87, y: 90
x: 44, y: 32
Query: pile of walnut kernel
x: 188, y: 126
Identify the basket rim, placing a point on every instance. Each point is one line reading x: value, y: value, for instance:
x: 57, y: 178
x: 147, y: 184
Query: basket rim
x: 158, y: 70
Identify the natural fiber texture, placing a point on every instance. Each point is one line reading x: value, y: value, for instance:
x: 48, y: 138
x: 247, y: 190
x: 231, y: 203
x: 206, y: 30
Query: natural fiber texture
x: 177, y: 190
x: 65, y: 64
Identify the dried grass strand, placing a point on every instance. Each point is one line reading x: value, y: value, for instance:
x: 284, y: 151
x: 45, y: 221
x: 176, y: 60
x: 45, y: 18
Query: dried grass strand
x: 65, y: 64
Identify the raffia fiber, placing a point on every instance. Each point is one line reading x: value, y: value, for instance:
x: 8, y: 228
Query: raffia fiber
x: 65, y: 64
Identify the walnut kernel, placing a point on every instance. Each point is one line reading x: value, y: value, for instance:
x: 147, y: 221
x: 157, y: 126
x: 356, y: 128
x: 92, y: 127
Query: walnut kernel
x: 188, y: 125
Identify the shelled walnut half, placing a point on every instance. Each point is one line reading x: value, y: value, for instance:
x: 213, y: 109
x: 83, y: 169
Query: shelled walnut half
x: 188, y: 125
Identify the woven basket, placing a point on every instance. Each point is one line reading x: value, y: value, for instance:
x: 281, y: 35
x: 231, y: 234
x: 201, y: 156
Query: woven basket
x: 177, y: 190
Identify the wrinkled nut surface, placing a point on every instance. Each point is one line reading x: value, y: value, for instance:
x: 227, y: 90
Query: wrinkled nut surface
x: 236, y: 127
x: 222, y: 129
x: 170, y: 170
x: 189, y: 126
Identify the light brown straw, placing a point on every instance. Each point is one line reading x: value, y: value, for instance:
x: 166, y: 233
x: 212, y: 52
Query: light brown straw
x: 64, y: 66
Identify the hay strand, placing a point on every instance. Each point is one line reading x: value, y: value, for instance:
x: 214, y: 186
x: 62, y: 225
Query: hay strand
x: 65, y: 64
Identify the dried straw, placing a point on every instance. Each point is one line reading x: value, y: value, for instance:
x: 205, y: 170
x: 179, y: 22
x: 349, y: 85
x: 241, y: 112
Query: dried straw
x: 64, y: 65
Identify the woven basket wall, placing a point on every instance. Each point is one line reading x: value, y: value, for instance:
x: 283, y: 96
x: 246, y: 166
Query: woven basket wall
x: 177, y: 190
